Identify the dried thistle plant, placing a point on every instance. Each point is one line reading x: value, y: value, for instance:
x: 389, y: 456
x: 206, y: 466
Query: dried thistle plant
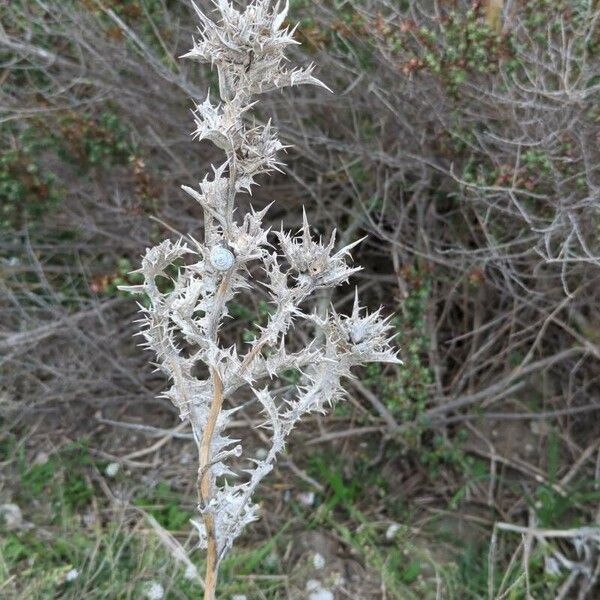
x: 247, y: 49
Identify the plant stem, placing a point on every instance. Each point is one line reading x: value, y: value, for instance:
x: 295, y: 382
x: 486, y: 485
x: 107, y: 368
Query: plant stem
x: 205, y: 486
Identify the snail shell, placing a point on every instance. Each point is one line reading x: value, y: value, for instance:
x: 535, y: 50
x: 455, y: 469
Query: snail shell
x: 221, y: 258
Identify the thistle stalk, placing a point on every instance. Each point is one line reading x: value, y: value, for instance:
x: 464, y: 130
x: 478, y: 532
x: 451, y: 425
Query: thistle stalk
x: 205, y: 486
x: 248, y: 50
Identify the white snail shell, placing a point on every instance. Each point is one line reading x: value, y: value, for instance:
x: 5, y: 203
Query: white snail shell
x: 221, y: 258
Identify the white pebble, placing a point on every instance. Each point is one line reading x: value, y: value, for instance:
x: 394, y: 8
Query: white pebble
x: 11, y: 517
x: 317, y: 591
x: 190, y: 572
x: 41, y: 458
x: 112, y: 469
x: 318, y: 561
x: 306, y: 498
x: 154, y: 591
x: 391, y: 531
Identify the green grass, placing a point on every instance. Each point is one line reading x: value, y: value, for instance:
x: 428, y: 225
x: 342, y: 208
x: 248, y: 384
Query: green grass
x: 118, y: 552
x: 165, y: 506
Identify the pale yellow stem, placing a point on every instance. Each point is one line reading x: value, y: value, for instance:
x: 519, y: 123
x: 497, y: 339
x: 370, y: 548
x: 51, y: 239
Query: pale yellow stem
x: 205, y: 485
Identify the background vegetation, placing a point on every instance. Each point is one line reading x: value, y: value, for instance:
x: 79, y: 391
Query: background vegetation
x: 463, y: 138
